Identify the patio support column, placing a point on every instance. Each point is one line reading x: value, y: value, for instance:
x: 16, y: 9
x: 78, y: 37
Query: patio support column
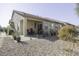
x: 25, y: 26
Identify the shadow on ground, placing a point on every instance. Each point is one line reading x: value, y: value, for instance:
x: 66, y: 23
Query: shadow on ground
x: 50, y: 38
x: 23, y: 42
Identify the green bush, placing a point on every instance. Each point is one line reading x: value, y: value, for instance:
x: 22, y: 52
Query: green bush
x: 67, y: 33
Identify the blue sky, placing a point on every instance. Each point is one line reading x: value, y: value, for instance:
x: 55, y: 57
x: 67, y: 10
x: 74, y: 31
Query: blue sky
x: 60, y: 11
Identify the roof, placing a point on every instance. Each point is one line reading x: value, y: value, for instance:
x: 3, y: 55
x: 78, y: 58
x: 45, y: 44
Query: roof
x: 38, y: 17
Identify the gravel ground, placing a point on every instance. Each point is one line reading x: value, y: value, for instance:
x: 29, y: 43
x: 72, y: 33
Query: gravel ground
x: 38, y: 47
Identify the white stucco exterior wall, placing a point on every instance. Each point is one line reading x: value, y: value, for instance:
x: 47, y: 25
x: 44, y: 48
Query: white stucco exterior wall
x: 16, y: 19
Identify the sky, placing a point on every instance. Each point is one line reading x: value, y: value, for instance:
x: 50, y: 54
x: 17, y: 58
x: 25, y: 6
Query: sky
x: 59, y: 11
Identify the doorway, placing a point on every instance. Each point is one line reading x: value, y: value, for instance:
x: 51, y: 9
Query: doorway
x: 39, y: 28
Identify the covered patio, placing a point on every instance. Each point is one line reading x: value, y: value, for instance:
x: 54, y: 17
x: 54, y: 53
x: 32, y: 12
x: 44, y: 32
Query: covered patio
x: 34, y: 27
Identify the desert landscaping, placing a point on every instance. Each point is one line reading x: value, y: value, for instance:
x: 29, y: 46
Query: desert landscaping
x: 37, y: 47
x: 46, y: 30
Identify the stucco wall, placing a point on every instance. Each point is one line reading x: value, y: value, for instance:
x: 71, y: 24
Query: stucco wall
x: 17, y: 18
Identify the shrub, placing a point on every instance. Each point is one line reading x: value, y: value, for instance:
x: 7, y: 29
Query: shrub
x: 67, y: 33
x: 13, y: 32
x: 11, y: 28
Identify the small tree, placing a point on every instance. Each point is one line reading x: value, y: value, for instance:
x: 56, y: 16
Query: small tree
x: 14, y: 32
x: 67, y: 33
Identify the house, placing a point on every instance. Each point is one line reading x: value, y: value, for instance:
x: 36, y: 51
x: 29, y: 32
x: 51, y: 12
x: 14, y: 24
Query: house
x: 24, y: 22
